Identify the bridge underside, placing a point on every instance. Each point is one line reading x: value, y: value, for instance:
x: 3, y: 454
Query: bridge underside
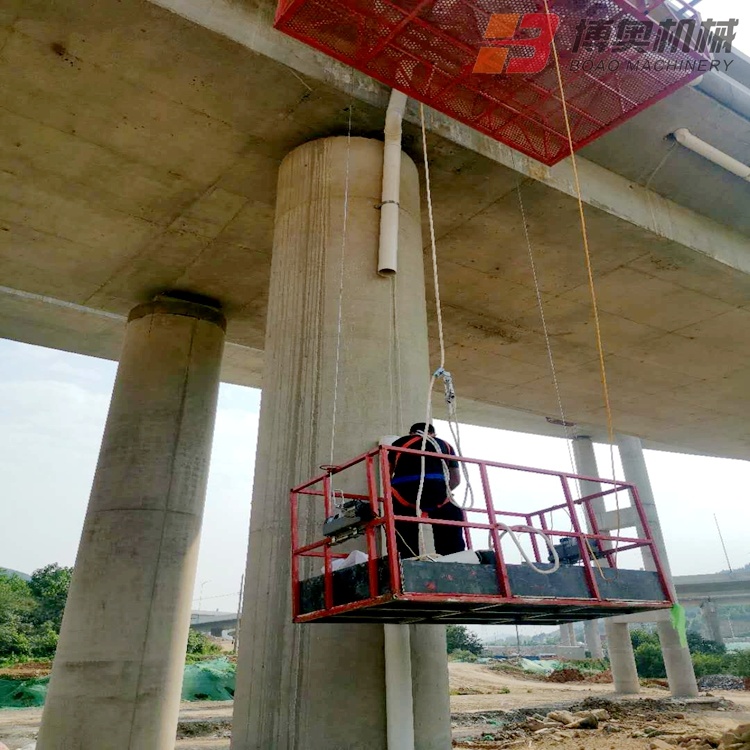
x: 140, y: 153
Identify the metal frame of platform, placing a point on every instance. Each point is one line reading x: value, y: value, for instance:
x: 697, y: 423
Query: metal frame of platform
x: 431, y: 51
x: 391, y: 590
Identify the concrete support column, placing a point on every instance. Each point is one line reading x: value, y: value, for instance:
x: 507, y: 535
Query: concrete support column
x: 565, y: 641
x: 621, y: 658
x: 620, y: 648
x: 572, y: 640
x: 593, y: 639
x: 710, y: 617
x: 322, y: 687
x: 117, y: 675
x: 677, y: 659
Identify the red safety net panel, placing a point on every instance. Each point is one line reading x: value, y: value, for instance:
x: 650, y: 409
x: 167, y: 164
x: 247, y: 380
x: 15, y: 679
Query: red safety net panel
x: 466, y: 58
x: 505, y: 580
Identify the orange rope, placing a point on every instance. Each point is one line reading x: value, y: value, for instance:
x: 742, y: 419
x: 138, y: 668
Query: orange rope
x: 589, y: 271
x: 584, y: 231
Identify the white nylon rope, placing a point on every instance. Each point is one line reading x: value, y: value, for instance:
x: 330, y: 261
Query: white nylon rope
x: 339, y: 320
x: 451, y: 397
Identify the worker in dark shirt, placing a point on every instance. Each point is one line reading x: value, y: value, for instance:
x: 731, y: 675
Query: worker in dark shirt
x: 435, y: 502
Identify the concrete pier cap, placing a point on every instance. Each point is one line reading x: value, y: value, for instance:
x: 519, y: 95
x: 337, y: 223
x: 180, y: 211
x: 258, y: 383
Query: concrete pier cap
x: 178, y: 302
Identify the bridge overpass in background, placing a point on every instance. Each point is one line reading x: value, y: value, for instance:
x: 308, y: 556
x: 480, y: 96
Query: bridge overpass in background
x: 214, y: 623
x: 720, y: 588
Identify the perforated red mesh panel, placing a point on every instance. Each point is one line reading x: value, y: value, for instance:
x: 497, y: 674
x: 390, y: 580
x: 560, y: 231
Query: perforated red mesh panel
x: 428, y: 50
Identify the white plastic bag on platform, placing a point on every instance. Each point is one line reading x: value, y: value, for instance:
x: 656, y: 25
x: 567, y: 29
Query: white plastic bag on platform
x: 355, y: 557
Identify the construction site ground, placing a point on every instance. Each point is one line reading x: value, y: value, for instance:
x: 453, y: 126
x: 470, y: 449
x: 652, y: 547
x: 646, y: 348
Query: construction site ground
x: 492, y: 710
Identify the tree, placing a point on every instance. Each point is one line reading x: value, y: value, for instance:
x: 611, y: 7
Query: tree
x: 640, y: 636
x: 699, y: 645
x: 199, y: 645
x: 460, y: 638
x: 49, y: 587
x: 649, y: 660
x: 15, y: 597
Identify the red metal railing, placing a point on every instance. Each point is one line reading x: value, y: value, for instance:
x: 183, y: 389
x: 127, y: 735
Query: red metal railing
x: 492, y: 520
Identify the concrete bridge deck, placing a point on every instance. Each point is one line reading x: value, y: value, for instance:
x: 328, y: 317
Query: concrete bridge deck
x: 140, y: 150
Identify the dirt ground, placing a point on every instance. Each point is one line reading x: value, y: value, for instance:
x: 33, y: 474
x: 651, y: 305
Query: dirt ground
x: 493, y: 716
x: 488, y: 719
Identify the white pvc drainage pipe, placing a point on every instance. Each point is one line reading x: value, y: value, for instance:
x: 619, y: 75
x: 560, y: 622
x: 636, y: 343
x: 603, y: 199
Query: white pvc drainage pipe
x: 707, y: 151
x: 390, y: 196
x: 399, y: 701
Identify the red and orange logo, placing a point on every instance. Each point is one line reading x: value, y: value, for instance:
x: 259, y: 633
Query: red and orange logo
x: 510, y: 31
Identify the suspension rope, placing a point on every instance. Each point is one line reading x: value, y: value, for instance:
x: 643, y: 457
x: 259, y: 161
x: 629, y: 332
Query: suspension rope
x: 545, y: 329
x: 587, y: 254
x: 584, y: 233
x: 450, y: 398
x: 339, y: 317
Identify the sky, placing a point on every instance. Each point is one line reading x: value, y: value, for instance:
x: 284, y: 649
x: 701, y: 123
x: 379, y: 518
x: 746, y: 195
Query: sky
x: 723, y: 10
x: 53, y: 406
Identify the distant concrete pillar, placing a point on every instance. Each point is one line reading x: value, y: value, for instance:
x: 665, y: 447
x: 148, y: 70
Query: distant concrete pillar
x: 593, y: 639
x: 624, y: 673
x: 572, y: 640
x: 322, y: 687
x: 710, y: 617
x: 677, y: 659
x: 621, y: 658
x: 565, y: 641
x: 117, y: 674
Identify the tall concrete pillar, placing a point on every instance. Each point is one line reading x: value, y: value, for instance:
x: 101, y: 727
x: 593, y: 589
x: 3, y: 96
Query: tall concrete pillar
x: 565, y: 641
x: 677, y: 659
x: 619, y: 645
x: 117, y: 675
x: 571, y: 634
x: 710, y: 616
x: 593, y: 639
x: 323, y: 686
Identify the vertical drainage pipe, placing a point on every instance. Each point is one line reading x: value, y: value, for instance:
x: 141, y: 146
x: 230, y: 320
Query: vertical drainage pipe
x: 399, y: 701
x: 390, y: 195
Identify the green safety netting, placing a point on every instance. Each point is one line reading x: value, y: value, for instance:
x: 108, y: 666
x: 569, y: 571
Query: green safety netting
x: 209, y: 681
x: 23, y: 693
x: 206, y: 681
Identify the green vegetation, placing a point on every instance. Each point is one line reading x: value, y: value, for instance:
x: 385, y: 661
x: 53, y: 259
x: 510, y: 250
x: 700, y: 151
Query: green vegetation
x: 587, y: 665
x: 460, y: 638
x: 31, y: 612
x: 200, y: 647
x: 709, y: 657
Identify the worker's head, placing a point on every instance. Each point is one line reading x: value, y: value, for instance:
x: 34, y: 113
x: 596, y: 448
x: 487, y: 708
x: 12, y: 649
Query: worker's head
x: 420, y: 427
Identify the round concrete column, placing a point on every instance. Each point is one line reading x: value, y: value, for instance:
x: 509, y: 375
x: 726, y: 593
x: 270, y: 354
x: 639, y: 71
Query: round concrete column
x: 619, y: 645
x: 710, y: 615
x: 322, y: 687
x: 593, y: 640
x: 677, y: 661
x: 117, y: 675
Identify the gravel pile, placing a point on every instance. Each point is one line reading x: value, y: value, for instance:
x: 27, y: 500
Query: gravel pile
x: 721, y: 682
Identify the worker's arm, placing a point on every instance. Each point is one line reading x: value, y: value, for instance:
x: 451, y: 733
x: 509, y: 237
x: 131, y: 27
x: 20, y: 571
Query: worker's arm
x: 454, y: 472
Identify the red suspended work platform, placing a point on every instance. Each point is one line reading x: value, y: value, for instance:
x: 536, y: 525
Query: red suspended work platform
x: 498, y: 590
x: 488, y: 63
